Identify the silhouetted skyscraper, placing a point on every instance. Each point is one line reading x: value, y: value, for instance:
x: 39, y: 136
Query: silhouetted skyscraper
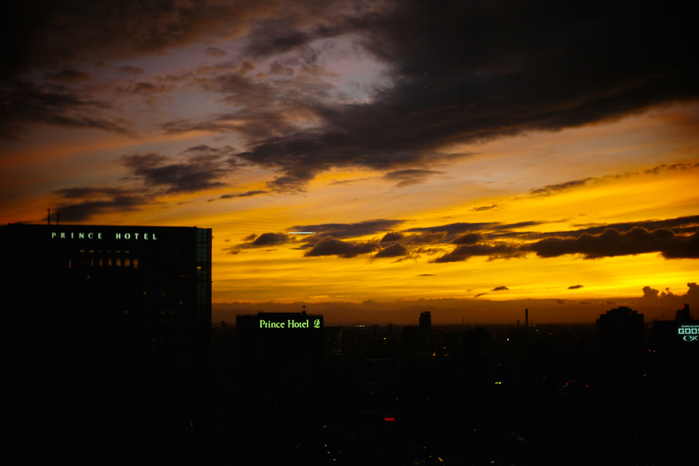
x: 621, y: 327
x: 683, y: 315
x: 279, y: 360
x: 426, y: 320
x: 677, y: 339
x: 113, y: 329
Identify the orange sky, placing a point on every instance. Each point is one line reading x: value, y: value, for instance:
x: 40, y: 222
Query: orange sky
x: 487, y: 172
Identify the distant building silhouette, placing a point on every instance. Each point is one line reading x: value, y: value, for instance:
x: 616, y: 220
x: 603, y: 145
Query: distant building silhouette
x: 279, y: 360
x: 621, y: 327
x: 426, y: 321
x: 278, y: 336
x: 677, y: 338
x: 622, y: 336
x: 683, y: 315
x: 421, y: 338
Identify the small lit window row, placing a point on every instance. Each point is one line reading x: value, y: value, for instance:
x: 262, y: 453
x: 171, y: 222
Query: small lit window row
x: 100, y: 251
x: 128, y: 262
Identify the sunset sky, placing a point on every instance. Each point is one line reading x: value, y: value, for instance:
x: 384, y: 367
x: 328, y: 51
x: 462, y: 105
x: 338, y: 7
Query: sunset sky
x: 465, y: 153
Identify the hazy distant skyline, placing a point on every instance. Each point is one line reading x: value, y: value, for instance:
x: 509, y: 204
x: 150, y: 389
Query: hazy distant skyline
x: 441, y: 150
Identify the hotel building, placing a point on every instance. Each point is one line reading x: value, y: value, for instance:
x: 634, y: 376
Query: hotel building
x: 111, y: 338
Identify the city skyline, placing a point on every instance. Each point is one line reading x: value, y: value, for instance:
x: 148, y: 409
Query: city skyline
x: 472, y: 156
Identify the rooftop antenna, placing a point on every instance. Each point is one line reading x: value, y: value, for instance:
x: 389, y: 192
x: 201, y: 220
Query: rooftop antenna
x: 526, y: 319
x: 49, y: 216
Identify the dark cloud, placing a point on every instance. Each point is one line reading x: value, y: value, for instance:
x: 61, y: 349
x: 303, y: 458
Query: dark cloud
x: 263, y: 111
x: 215, y: 52
x: 454, y: 228
x: 131, y: 69
x: 552, y: 189
x: 457, y: 71
x: 673, y: 167
x: 251, y: 193
x: 483, y: 208
x: 291, y: 183
x: 269, y: 239
x: 493, y: 251
x: 609, y: 242
x: 394, y: 250
x: 68, y: 76
x: 409, y: 176
x: 276, y: 36
x: 262, y: 241
x: 233, y: 249
x: 466, y: 72
x: 451, y: 230
x: 96, y: 201
x: 469, y: 238
x: 612, y: 243
x: 680, y: 225
x: 667, y: 294
x: 454, y: 72
x: 45, y: 31
x: 392, y: 237
x: 574, y: 287
x: 350, y: 230
x: 330, y: 246
x: 24, y: 102
x: 484, y: 240
x: 651, y: 294
x: 427, y: 237
x: 148, y: 88
x: 91, y: 192
x: 200, y: 171
x: 500, y: 288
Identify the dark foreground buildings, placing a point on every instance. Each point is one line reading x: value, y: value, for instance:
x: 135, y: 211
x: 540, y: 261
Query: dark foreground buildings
x: 109, y: 336
x: 279, y: 379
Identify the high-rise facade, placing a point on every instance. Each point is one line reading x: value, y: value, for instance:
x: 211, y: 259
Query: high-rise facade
x: 112, y: 334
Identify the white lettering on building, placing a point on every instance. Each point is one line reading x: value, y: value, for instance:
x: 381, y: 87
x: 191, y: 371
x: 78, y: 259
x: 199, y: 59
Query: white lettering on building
x: 98, y: 235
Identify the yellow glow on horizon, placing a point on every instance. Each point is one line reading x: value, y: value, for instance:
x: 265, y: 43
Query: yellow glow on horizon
x: 493, y: 185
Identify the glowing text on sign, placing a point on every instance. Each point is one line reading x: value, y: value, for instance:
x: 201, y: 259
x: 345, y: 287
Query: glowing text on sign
x: 99, y: 235
x: 290, y: 323
x: 689, y: 332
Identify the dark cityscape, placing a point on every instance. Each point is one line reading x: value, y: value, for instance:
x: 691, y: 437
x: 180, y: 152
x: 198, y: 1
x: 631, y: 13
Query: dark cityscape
x: 349, y: 232
x: 123, y: 361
